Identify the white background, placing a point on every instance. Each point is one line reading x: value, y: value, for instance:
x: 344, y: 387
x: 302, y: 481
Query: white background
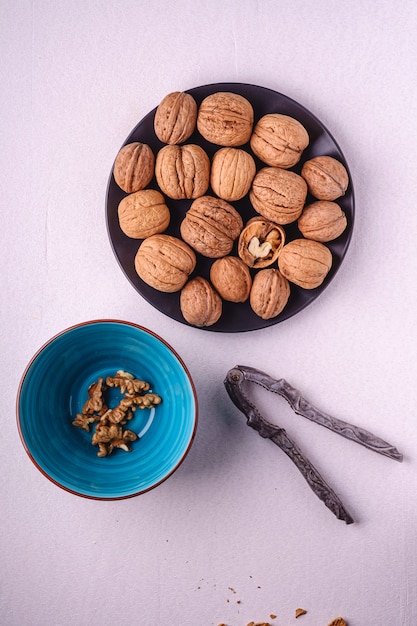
x: 235, y: 534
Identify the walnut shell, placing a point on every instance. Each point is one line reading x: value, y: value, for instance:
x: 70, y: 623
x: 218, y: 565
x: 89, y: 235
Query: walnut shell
x: 211, y: 226
x: 231, y: 278
x: 175, y: 118
x: 143, y: 213
x: 232, y: 173
x: 182, y: 172
x: 305, y: 263
x: 278, y: 195
x: 134, y: 166
x: 200, y: 304
x: 260, y: 242
x: 279, y: 140
x: 164, y: 262
x: 322, y: 221
x: 269, y: 294
x: 326, y: 177
x: 225, y: 119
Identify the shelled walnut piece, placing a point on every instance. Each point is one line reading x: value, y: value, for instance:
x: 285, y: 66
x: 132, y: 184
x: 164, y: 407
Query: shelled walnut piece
x: 109, y: 432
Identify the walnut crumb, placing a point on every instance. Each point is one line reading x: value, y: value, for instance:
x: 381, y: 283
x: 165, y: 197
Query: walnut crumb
x: 339, y: 621
x: 299, y: 612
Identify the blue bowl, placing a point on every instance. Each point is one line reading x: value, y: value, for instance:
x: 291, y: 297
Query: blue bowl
x: 54, y: 388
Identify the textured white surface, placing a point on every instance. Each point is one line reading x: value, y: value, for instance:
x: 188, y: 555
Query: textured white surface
x: 235, y: 534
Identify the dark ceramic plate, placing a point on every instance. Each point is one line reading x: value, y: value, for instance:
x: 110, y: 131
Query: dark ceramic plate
x: 235, y: 317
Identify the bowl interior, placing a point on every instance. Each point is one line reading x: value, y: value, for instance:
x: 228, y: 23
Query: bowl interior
x: 54, y: 389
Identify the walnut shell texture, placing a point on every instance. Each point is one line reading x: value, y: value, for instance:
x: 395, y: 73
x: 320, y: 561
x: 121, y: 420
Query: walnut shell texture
x: 225, y: 119
x: 269, y: 294
x: 200, y: 304
x: 164, y: 262
x: 182, y: 172
x: 175, y: 118
x: 232, y: 173
x: 231, y: 278
x: 322, y: 221
x: 143, y: 213
x: 279, y: 140
x: 305, y: 263
x: 260, y: 242
x: 278, y: 195
x: 326, y: 177
x: 134, y: 166
x: 210, y: 226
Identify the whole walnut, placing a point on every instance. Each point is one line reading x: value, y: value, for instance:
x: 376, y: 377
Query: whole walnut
x: 164, y: 262
x: 210, y: 226
x: 279, y: 140
x: 225, y: 119
x: 231, y: 278
x: 200, y: 304
x: 322, y: 221
x: 134, y: 166
x: 260, y: 242
x: 175, y: 118
x: 278, y: 195
x: 305, y: 263
x: 269, y: 294
x: 232, y: 173
x: 182, y: 172
x: 143, y: 213
x: 326, y: 177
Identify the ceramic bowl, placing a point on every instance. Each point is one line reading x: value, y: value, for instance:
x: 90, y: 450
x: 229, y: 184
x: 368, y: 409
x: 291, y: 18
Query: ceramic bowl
x: 54, y: 388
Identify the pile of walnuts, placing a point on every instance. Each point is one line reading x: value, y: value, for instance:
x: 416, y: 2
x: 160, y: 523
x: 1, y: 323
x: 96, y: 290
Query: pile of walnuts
x: 265, y: 265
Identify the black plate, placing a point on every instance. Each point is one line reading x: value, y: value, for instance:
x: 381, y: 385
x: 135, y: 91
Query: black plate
x: 235, y: 317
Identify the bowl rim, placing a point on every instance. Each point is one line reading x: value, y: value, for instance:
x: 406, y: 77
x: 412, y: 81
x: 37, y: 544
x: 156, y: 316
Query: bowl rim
x: 106, y: 321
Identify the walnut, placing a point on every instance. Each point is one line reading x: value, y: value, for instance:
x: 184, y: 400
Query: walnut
x: 278, y: 195
x: 134, y: 166
x: 225, y: 119
x: 259, y: 242
x: 269, y: 294
x: 175, y: 118
x: 211, y: 226
x: 339, y: 621
x: 279, y: 140
x: 143, y: 213
x: 299, y: 612
x: 182, y: 172
x: 231, y: 278
x: 304, y: 262
x: 232, y: 173
x: 200, y: 304
x: 164, y: 262
x: 326, y: 177
x: 322, y: 221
